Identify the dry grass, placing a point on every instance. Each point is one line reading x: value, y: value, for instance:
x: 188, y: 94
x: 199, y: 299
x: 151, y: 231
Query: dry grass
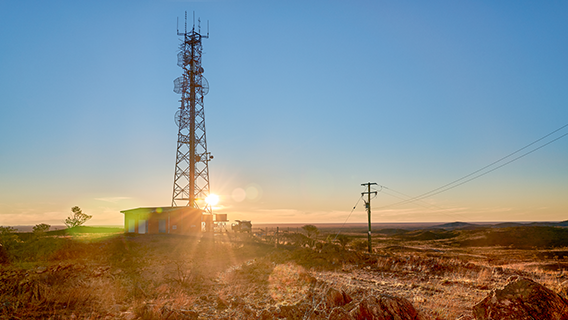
x: 233, y: 276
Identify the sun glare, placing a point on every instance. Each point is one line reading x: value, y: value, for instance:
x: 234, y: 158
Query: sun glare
x: 212, y: 199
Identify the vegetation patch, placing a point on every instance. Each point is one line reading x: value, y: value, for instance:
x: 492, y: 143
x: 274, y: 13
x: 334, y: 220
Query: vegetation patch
x: 521, y: 237
x: 425, y: 235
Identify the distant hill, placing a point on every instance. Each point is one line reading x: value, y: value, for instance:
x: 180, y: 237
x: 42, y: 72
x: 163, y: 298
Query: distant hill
x: 549, y: 224
x: 524, y: 237
x: 507, y: 225
x: 531, y: 224
x: 391, y: 231
x: 458, y: 225
x: 425, y: 235
x: 562, y: 223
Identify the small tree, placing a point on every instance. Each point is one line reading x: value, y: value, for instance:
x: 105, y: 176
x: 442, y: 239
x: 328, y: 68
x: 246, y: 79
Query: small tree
x: 343, y: 240
x: 40, y: 229
x: 78, y: 218
x: 311, y: 230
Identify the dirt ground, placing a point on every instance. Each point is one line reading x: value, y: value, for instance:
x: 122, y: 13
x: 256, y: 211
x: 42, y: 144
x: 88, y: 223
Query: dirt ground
x: 238, y: 276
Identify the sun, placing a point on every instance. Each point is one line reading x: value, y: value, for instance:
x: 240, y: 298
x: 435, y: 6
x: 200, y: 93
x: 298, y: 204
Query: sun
x: 212, y: 199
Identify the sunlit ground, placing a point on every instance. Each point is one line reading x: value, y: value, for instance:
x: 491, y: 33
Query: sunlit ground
x: 118, y: 274
x: 238, y: 276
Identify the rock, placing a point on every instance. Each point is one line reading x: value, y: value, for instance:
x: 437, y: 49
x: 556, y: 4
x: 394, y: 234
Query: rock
x: 336, y: 298
x: 116, y: 272
x: 265, y: 315
x: 385, y: 307
x: 189, y: 314
x: 127, y: 315
x: 563, y: 289
x: 41, y: 269
x: 294, y: 312
x: 249, y: 313
x: 339, y: 313
x: 221, y: 305
x: 522, y: 299
x: 100, y: 271
x: 236, y: 301
x: 350, y: 306
x: 470, y: 265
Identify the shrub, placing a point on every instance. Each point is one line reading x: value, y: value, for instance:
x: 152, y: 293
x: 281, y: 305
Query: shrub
x: 7, y: 237
x: 311, y: 230
x: 343, y: 240
x: 360, y: 244
x: 4, y: 257
x: 41, y: 229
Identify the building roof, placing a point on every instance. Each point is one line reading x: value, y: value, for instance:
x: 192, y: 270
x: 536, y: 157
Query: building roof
x: 160, y: 209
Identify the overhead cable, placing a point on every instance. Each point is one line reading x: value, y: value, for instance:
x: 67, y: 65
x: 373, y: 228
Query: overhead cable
x: 453, y: 184
x: 425, y: 205
x: 355, y: 206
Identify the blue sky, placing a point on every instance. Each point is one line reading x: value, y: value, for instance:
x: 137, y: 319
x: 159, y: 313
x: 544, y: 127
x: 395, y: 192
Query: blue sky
x: 308, y: 99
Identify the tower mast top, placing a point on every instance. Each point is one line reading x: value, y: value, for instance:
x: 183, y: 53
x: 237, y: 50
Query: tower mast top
x: 193, y: 33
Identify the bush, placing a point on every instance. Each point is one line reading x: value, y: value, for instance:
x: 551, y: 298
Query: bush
x: 7, y: 237
x: 41, y: 229
x: 311, y: 230
x: 360, y: 244
x: 4, y: 257
x: 343, y: 240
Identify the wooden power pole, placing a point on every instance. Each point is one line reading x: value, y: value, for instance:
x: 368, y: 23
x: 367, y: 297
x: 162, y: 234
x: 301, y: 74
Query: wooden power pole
x: 368, y: 206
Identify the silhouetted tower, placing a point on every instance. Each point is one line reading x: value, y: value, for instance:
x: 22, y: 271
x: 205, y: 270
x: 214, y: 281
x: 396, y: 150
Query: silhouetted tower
x: 191, y: 178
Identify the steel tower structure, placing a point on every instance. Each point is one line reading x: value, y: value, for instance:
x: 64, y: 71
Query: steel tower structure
x: 191, y: 178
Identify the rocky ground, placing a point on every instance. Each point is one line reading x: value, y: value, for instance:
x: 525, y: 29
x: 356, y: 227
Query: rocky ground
x: 233, y: 276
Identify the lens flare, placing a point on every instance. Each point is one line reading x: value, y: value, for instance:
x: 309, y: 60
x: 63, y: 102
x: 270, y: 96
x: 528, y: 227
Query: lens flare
x: 239, y: 194
x: 212, y: 199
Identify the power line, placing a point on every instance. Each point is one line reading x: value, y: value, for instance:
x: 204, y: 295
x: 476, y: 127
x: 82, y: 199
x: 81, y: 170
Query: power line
x: 452, y: 184
x: 504, y: 164
x: 425, y: 205
x: 355, y: 206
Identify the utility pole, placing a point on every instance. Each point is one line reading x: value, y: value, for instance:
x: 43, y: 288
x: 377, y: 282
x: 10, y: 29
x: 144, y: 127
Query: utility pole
x: 368, y: 206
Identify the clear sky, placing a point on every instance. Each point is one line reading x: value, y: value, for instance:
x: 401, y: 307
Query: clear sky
x: 308, y: 100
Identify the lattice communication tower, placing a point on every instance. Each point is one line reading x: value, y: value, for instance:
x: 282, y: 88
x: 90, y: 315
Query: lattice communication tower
x: 191, y: 178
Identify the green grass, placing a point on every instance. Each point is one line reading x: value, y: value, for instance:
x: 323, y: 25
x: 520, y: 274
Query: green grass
x: 27, y: 249
x: 85, y: 230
